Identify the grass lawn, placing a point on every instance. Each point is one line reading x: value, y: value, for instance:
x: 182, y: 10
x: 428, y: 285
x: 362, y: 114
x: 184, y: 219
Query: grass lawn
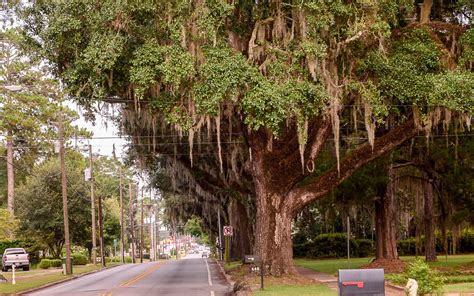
x: 36, y: 278
x: 232, y: 265
x: 315, y: 290
x: 464, y: 287
x: 332, y: 265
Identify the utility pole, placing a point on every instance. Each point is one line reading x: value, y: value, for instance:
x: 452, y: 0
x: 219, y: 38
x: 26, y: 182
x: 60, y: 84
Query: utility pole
x: 151, y: 223
x: 94, y: 239
x: 131, y: 222
x: 101, y: 229
x: 121, y: 217
x: 141, y: 233
x: 10, y: 174
x: 64, y: 192
x: 220, y: 233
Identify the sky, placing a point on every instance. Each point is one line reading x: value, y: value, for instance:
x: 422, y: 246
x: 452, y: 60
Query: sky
x: 105, y: 136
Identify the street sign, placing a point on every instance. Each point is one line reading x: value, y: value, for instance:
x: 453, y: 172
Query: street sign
x: 228, y: 231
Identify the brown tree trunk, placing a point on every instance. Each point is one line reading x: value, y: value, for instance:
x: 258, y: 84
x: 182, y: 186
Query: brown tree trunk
x: 425, y: 11
x: 273, y: 234
x: 386, y: 243
x: 430, y: 247
x: 10, y: 174
x: 242, y: 239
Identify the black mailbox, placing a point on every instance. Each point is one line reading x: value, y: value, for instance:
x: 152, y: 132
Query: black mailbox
x: 251, y: 259
x: 361, y: 282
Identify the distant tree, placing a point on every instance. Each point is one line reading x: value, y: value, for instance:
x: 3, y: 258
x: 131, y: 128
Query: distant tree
x: 39, y: 204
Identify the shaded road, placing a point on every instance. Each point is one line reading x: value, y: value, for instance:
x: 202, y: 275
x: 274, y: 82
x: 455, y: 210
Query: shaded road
x: 175, y: 277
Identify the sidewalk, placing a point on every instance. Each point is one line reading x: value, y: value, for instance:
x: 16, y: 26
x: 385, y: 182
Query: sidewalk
x: 331, y: 281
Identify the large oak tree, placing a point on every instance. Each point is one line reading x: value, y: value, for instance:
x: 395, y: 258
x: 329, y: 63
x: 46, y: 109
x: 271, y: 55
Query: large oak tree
x: 281, y: 78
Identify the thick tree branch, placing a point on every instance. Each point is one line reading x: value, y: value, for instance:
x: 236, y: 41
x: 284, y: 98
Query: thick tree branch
x: 319, y: 138
x: 303, y: 195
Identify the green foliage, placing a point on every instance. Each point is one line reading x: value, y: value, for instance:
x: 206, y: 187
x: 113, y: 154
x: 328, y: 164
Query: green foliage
x: 8, y: 224
x: 45, y: 263
x: 333, y: 245
x: 465, y: 245
x: 39, y: 204
x: 467, y: 41
x: 79, y: 259
x: 194, y: 227
x: 429, y: 280
x: 55, y: 262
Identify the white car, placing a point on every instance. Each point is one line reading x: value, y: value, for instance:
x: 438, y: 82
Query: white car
x: 17, y: 257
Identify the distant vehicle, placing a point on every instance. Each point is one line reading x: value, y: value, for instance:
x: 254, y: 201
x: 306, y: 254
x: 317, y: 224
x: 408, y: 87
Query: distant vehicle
x: 164, y: 256
x: 204, y: 254
x: 17, y: 257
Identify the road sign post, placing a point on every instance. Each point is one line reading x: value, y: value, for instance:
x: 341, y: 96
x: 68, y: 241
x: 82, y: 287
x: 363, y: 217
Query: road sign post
x: 228, y: 232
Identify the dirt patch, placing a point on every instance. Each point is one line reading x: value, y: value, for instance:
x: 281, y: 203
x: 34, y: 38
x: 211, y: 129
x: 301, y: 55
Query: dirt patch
x: 246, y: 280
x: 390, y: 266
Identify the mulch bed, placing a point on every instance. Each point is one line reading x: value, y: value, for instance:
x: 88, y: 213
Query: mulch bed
x: 390, y: 266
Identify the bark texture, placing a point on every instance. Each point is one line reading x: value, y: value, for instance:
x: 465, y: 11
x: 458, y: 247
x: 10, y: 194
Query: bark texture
x: 429, y: 219
x: 385, y: 229
x: 241, y: 243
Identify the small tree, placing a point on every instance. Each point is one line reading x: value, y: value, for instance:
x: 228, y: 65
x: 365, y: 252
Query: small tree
x: 429, y: 280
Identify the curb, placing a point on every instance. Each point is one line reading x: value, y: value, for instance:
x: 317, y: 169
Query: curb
x: 400, y: 288
x: 226, y: 276
x: 62, y: 281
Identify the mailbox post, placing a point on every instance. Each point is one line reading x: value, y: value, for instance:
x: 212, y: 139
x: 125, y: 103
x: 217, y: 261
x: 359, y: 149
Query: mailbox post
x: 254, y: 260
x: 361, y: 282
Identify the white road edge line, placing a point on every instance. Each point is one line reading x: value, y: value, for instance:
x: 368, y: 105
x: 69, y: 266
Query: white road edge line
x: 208, y: 274
x: 212, y: 293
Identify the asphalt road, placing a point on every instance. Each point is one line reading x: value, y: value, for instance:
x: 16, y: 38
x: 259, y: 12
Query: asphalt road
x: 173, y: 277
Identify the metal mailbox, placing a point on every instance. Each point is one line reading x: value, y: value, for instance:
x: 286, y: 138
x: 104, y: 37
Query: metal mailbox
x: 251, y: 259
x: 361, y: 282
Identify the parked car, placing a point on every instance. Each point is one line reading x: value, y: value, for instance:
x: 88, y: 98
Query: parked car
x: 15, y: 256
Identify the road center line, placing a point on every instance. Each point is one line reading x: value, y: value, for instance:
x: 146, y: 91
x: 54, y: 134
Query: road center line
x: 141, y: 275
x: 209, y: 275
x: 212, y: 293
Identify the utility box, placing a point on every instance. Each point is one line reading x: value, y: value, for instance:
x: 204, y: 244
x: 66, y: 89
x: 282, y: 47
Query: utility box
x: 361, y: 282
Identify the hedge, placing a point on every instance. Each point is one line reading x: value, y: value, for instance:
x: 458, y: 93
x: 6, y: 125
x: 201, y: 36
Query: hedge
x: 407, y: 246
x: 45, y: 263
x: 56, y: 263
x: 333, y: 245
x: 79, y: 259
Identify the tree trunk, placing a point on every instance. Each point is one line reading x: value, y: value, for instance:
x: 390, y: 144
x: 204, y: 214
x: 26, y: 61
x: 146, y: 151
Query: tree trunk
x: 10, y: 174
x: 242, y: 240
x: 425, y: 11
x: 273, y: 234
x: 386, y: 242
x: 430, y: 247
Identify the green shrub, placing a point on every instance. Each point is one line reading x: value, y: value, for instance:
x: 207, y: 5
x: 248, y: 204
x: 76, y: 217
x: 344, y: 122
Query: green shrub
x: 44, y: 264
x: 56, y: 263
x: 128, y: 259
x: 465, y: 245
x: 79, y: 259
x: 407, y: 247
x: 365, y: 248
x: 430, y: 281
x: 333, y: 245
